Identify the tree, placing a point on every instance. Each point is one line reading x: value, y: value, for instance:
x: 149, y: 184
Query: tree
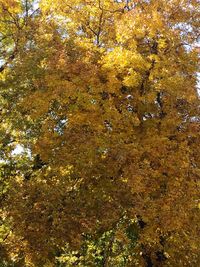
x: 102, y: 97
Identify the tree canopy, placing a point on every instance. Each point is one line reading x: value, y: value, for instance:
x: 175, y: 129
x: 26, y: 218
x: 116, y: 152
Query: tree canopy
x: 101, y: 97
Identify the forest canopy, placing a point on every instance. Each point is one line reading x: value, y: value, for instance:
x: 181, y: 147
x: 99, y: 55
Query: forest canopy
x: 100, y: 133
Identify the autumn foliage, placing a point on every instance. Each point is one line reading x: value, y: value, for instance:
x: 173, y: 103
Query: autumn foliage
x: 101, y: 97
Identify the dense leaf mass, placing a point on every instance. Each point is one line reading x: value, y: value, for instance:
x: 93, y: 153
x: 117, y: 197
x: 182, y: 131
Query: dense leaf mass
x: 100, y: 133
